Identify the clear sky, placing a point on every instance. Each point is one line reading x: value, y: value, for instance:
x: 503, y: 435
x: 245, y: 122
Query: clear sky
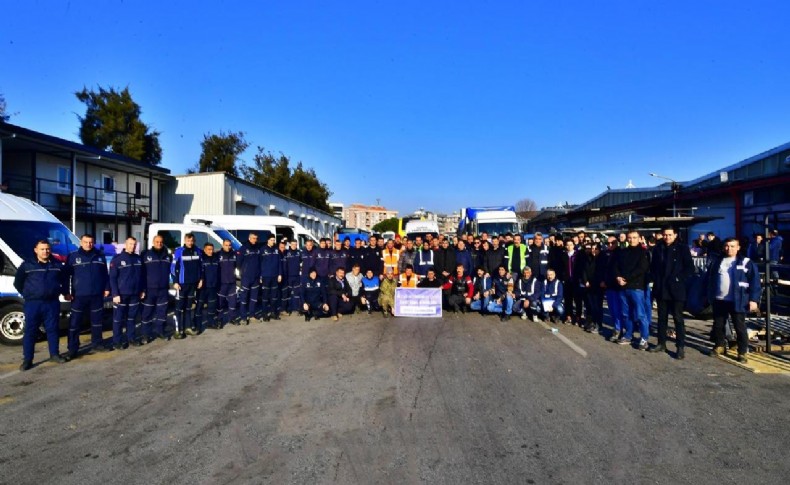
x: 440, y: 104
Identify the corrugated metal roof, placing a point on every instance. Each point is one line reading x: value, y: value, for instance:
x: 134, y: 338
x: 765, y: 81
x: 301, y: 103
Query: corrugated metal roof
x: 736, y: 166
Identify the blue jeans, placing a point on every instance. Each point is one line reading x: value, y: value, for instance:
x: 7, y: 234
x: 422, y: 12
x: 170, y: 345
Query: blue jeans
x: 496, y: 307
x: 479, y: 305
x: 614, y: 302
x: 634, y: 313
x: 648, y: 306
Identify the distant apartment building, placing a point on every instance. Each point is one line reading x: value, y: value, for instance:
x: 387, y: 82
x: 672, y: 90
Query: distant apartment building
x: 366, y: 216
x: 338, y: 209
x: 448, y: 223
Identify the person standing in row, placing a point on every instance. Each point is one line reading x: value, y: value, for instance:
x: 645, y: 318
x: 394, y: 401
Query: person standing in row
x: 671, y: 267
x: 156, y: 278
x: 292, y: 300
x: 271, y: 276
x: 227, y: 294
x: 86, y: 270
x: 187, y: 272
x: 41, y: 281
x: 126, y: 284
x: 207, y: 295
x: 248, y: 262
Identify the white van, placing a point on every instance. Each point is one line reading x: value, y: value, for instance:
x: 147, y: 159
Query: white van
x: 22, y: 223
x: 204, y: 232
x: 242, y: 226
x: 421, y: 228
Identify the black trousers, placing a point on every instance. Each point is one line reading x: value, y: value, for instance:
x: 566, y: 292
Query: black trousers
x: 721, y: 310
x: 337, y: 305
x: 676, y: 307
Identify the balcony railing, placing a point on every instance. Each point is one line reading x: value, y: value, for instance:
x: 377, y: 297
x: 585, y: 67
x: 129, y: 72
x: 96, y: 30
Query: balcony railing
x: 55, y: 196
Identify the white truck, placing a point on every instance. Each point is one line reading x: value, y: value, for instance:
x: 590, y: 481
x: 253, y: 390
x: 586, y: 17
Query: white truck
x: 421, y: 228
x: 492, y: 220
x: 242, y: 226
x: 22, y: 223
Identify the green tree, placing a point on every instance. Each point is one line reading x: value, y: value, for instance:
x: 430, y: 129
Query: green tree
x: 275, y: 173
x: 220, y: 153
x: 390, y: 224
x: 112, y: 122
x: 4, y: 114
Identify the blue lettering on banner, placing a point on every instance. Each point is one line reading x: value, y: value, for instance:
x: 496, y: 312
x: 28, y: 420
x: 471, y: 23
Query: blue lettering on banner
x: 418, y: 302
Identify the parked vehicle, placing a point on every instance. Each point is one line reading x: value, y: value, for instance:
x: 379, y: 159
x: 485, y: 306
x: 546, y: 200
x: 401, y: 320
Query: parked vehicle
x: 203, y: 230
x: 242, y: 226
x: 492, y: 220
x: 420, y: 228
x: 22, y: 223
x: 353, y: 233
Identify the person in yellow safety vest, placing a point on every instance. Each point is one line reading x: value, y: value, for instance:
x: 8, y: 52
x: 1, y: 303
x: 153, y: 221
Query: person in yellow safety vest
x: 408, y: 279
x: 390, y: 255
x: 516, y: 257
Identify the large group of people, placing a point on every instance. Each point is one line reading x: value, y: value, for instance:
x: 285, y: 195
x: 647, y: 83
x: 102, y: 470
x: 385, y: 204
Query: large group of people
x: 553, y: 278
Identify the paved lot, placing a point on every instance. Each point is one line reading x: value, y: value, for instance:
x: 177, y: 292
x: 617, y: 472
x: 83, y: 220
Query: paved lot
x: 368, y: 400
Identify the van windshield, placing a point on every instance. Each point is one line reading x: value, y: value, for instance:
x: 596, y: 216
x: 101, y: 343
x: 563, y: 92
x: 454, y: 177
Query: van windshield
x: 21, y: 236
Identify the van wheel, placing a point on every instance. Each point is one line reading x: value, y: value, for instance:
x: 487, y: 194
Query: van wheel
x: 12, y: 324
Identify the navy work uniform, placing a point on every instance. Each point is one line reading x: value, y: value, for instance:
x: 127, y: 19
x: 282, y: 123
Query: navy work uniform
x: 293, y: 281
x: 309, y: 258
x: 248, y: 261
x: 40, y: 284
x: 126, y: 282
x: 322, y: 258
x: 226, y: 295
x: 271, y: 275
x: 315, y: 296
x: 89, y: 280
x: 187, y: 272
x: 156, y: 271
x: 207, y: 295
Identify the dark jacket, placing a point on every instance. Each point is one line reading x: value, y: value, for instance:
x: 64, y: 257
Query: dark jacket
x: 41, y: 281
x: 156, y: 268
x: 552, y: 290
x: 373, y: 261
x: 308, y: 261
x: 87, y: 272
x: 126, y: 274
x: 338, y: 258
x: 210, y: 270
x: 493, y: 259
x: 424, y: 261
x: 339, y: 288
x: 227, y: 267
x: 633, y: 265
x: 322, y: 258
x: 444, y: 261
x: 271, y: 262
x: 746, y: 282
x: 465, y: 257
x: 314, y: 292
x: 530, y: 289
x: 670, y: 269
x: 248, y: 261
x: 186, y: 267
x: 538, y: 260
x: 292, y: 263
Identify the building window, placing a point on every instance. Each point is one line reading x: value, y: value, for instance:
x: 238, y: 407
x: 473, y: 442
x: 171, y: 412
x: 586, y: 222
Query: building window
x: 748, y: 198
x: 64, y: 177
x: 108, y: 183
x: 138, y: 190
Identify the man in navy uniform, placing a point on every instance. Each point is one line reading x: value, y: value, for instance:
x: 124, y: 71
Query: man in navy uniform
x: 226, y: 296
x: 40, y: 281
x: 322, y: 258
x: 271, y: 276
x: 187, y: 272
x: 314, y: 296
x: 248, y: 261
x: 86, y: 269
x: 156, y: 278
x: 207, y: 295
x: 292, y: 266
x: 126, y: 284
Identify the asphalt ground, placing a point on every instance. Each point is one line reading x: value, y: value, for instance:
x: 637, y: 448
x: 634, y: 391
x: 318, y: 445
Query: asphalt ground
x: 455, y: 400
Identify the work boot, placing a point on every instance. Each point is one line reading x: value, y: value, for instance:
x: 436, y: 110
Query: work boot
x: 743, y: 359
x: 72, y: 354
x: 191, y: 332
x: 179, y: 336
x: 26, y: 365
x: 307, y: 317
x: 718, y: 350
x: 660, y: 348
x: 57, y: 358
x: 100, y: 348
x: 136, y: 343
x: 681, y: 353
x: 265, y: 318
x: 275, y: 316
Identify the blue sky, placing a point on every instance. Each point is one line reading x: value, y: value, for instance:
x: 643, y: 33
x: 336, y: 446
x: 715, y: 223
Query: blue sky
x: 437, y: 104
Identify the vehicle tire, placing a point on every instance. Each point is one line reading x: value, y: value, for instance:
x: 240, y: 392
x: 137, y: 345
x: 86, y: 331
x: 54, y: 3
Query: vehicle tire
x: 12, y: 324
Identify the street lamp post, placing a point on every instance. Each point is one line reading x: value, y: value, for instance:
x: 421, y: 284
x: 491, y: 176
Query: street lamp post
x: 675, y: 187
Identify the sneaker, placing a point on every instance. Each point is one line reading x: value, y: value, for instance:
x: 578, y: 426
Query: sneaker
x: 275, y: 316
x: 643, y: 344
x: 179, y: 336
x: 26, y: 365
x: 718, y: 350
x: 57, y: 358
x: 624, y: 341
x: 191, y: 332
x: 743, y: 359
x: 614, y: 337
x: 660, y: 348
x: 334, y: 318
